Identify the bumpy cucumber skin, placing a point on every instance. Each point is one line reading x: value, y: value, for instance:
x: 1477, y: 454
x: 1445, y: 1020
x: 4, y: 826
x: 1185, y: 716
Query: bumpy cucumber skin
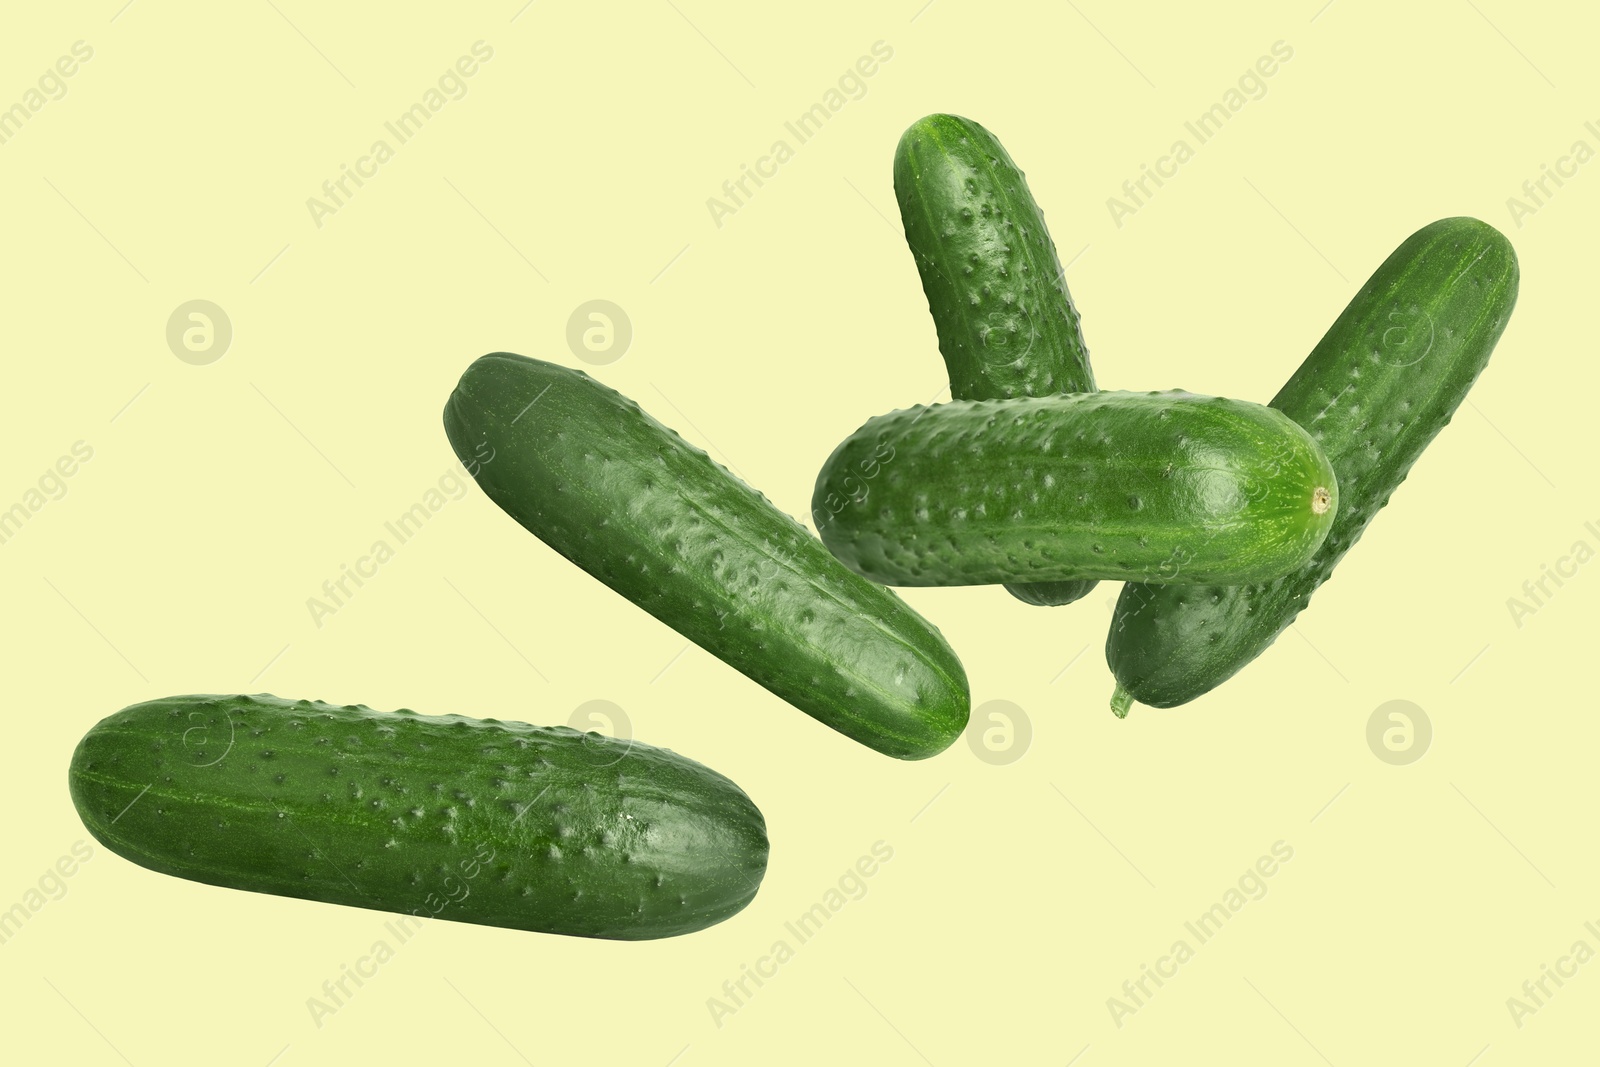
x: 1161, y: 486
x: 586, y: 470
x: 1380, y: 385
x: 473, y: 820
x: 1007, y: 326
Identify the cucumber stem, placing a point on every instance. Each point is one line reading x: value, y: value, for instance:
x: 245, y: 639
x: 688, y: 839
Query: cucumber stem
x: 1121, y: 701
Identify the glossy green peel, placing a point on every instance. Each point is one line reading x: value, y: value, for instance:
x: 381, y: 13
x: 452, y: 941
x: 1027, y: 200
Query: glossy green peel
x: 1007, y: 326
x: 1384, y: 380
x: 1170, y: 487
x: 588, y: 472
x: 472, y: 820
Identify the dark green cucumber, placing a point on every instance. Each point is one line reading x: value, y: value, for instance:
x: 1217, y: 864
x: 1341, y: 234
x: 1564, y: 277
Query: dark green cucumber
x: 1006, y: 323
x: 1382, y: 382
x: 473, y: 820
x: 628, y: 500
x: 1169, y: 487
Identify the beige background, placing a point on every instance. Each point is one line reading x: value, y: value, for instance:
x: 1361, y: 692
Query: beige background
x: 176, y: 166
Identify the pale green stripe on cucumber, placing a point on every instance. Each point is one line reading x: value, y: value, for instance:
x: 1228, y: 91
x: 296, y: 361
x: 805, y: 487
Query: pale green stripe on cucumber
x: 472, y: 820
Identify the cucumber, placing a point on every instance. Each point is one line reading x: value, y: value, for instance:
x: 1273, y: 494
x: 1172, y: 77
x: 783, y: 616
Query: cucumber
x: 1381, y: 384
x: 1007, y: 326
x: 473, y: 820
x: 1161, y: 486
x: 633, y: 504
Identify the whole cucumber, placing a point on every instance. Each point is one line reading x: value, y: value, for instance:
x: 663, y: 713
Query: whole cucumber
x: 1383, y: 381
x: 1007, y: 326
x: 1167, y: 486
x: 473, y: 820
x: 589, y: 473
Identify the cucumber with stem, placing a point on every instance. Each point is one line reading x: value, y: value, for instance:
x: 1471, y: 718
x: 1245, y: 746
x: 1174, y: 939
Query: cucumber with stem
x: 1163, y: 486
x: 1380, y: 385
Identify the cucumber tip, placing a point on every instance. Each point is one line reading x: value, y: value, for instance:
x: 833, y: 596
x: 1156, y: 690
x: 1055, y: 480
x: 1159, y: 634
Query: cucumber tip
x: 1121, y: 701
